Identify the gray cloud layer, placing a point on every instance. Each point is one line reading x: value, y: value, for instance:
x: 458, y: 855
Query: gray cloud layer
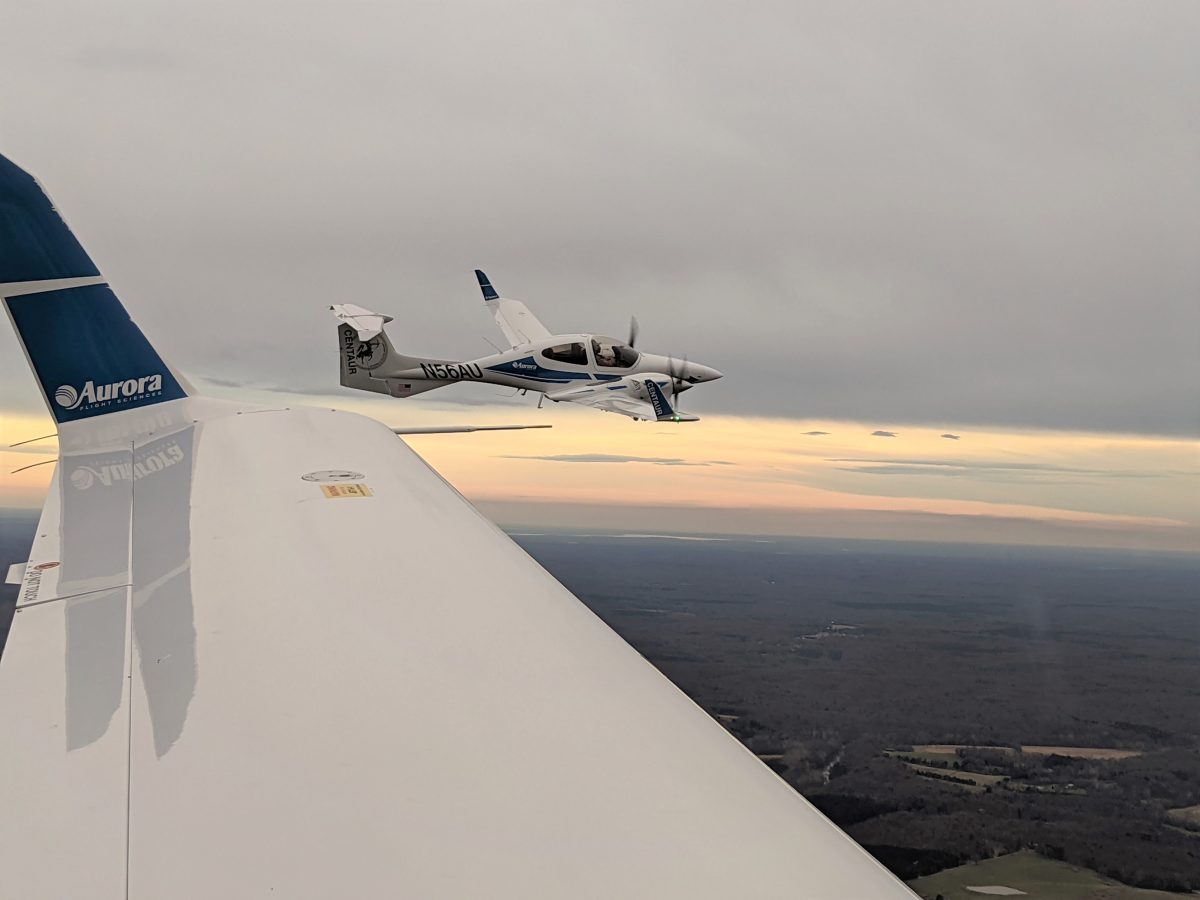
x: 932, y: 213
x: 989, y: 469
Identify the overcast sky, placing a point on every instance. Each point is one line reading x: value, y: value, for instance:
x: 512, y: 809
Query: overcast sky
x: 944, y: 213
x: 945, y: 253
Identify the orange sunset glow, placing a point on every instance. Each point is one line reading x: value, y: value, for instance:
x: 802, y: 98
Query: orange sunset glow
x: 745, y: 475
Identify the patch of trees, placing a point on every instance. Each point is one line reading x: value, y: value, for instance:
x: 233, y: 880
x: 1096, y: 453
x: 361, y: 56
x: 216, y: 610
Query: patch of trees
x: 845, y: 810
x: 913, y: 862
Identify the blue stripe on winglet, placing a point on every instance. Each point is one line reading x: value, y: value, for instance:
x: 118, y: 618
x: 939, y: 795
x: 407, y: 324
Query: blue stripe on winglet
x: 489, y: 292
x: 662, y: 409
x: 35, y: 243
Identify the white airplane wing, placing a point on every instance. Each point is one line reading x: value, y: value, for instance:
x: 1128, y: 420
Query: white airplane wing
x: 623, y: 404
x: 621, y: 397
x: 268, y: 652
x: 519, y: 325
x: 626, y: 406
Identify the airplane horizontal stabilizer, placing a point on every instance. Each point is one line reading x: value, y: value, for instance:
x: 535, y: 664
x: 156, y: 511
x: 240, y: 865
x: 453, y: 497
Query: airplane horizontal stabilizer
x: 368, y: 324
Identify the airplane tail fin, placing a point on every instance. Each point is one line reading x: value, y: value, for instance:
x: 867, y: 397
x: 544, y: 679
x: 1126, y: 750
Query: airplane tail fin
x: 369, y: 361
x: 89, y: 357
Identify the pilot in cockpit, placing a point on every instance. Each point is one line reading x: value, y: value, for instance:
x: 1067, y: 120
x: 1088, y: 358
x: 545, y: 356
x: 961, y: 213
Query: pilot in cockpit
x: 611, y: 353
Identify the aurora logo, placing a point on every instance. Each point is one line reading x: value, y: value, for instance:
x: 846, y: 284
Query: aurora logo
x: 69, y: 397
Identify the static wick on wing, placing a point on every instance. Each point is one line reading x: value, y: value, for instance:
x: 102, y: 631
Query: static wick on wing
x: 461, y: 429
x: 44, y: 462
x: 33, y: 440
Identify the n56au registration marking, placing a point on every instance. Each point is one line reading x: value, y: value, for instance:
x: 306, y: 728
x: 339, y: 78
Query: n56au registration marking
x: 452, y: 371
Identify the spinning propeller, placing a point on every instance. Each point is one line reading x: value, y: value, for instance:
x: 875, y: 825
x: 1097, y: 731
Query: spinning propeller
x: 678, y: 373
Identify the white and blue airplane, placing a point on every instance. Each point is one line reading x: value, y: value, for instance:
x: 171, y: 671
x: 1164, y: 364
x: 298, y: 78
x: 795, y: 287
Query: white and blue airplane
x: 589, y: 369
x: 270, y: 652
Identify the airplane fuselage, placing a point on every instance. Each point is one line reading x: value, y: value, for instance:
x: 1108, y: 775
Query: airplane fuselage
x: 535, y: 368
x: 590, y: 369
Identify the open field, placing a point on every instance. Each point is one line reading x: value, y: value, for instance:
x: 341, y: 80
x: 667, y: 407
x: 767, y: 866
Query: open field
x: 1040, y: 879
x: 1069, y: 789
x: 932, y: 757
x: 1081, y: 752
x: 1185, y: 817
x: 941, y: 750
x: 956, y: 777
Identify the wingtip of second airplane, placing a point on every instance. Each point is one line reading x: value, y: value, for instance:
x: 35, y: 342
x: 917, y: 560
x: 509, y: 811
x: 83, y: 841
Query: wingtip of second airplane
x: 489, y: 292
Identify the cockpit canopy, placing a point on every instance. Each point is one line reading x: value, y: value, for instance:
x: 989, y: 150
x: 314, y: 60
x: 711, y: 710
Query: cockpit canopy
x: 613, y: 353
x: 607, y: 352
x: 573, y: 353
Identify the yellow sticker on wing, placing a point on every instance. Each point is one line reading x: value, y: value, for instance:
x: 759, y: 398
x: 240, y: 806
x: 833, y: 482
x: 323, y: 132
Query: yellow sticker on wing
x: 345, y: 490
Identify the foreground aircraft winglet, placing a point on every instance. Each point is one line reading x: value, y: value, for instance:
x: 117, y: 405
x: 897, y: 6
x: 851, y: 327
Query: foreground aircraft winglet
x: 257, y: 650
x: 88, y: 356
